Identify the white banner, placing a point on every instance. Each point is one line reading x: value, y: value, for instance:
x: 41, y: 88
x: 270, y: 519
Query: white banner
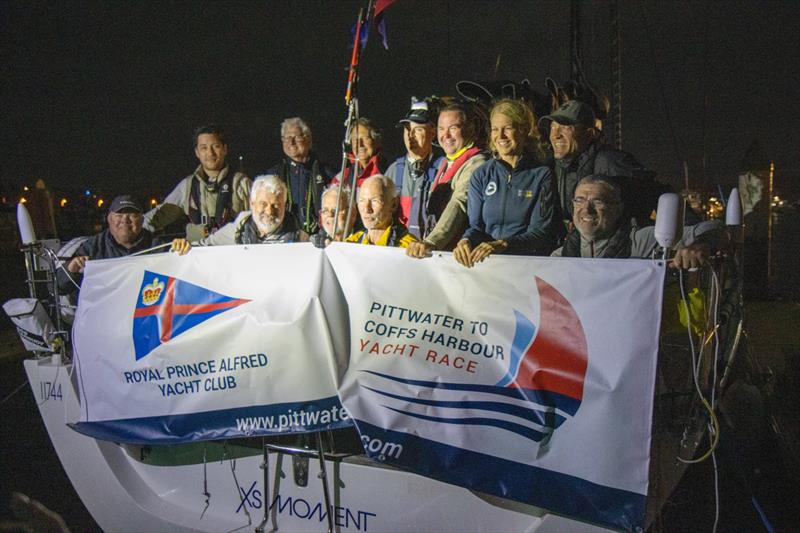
x: 527, y: 378
x: 223, y: 342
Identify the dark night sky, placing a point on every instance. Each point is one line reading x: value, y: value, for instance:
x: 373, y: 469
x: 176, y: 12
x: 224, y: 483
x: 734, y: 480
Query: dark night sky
x: 106, y: 94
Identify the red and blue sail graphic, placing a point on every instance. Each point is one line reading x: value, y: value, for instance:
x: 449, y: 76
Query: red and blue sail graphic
x: 543, y: 384
x: 168, y: 306
x: 542, y: 389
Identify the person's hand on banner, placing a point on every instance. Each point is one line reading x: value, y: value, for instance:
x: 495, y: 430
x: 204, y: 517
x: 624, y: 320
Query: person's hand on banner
x: 180, y: 246
x: 419, y: 249
x: 77, y: 264
x: 469, y: 257
x: 485, y: 249
x: 463, y: 253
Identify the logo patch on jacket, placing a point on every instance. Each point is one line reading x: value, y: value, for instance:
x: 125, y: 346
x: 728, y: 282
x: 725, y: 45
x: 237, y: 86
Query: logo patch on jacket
x: 491, y: 188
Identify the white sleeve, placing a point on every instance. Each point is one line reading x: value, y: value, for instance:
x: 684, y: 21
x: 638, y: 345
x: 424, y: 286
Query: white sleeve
x: 226, y: 235
x: 177, y: 198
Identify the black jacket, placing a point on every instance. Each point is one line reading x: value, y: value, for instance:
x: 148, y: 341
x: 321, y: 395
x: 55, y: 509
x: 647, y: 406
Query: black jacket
x: 101, y: 246
x: 640, y: 191
x: 305, y: 182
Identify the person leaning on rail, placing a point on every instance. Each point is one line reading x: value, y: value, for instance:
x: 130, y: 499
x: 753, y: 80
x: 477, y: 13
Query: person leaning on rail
x: 511, y: 204
x: 445, y: 207
x: 377, y: 205
x: 212, y: 196
x: 124, y: 236
x: 327, y: 214
x: 601, y: 230
x: 303, y: 172
x: 267, y: 222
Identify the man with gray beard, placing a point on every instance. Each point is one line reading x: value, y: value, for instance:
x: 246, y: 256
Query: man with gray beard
x: 267, y: 222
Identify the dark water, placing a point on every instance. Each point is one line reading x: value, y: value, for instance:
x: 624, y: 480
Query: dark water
x: 28, y: 462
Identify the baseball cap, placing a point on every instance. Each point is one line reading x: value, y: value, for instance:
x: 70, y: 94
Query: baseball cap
x: 419, y: 113
x: 571, y: 113
x: 125, y: 202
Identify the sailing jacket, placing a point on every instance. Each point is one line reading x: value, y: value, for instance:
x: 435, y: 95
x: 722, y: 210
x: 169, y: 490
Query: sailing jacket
x: 516, y: 205
x: 101, y: 246
x: 413, y: 180
x: 305, y: 183
x: 446, y: 206
x: 395, y: 235
x: 375, y: 165
x: 196, y: 196
x: 640, y: 191
x: 637, y: 243
x: 243, y: 230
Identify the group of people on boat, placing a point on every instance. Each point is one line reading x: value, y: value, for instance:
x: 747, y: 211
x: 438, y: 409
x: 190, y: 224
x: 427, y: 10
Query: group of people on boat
x: 497, y: 188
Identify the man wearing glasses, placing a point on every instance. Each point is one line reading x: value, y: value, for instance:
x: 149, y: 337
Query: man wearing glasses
x: 601, y: 230
x: 302, y: 171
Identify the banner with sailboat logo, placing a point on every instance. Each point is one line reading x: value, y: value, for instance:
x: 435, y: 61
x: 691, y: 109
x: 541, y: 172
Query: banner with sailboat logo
x: 223, y: 342
x: 526, y: 378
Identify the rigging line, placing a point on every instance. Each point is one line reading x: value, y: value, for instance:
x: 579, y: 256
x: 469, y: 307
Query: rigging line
x: 706, y: 17
x: 677, y: 144
x: 4, y: 400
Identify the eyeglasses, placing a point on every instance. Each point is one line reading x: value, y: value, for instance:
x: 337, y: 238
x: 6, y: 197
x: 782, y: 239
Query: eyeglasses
x: 289, y: 139
x: 597, y: 203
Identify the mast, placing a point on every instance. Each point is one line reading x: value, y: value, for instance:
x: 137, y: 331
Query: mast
x: 616, y: 74
x: 575, y: 40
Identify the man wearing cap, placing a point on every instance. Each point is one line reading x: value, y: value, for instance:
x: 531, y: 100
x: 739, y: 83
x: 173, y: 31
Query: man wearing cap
x: 212, y: 196
x: 578, y: 152
x: 303, y: 172
x: 124, y: 236
x: 414, y: 172
x: 445, y: 207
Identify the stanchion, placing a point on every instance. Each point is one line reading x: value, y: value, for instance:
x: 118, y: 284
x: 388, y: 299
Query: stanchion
x: 296, y: 453
x: 261, y: 528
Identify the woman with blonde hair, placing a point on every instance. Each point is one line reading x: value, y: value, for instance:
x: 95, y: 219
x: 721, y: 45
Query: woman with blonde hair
x: 511, y: 202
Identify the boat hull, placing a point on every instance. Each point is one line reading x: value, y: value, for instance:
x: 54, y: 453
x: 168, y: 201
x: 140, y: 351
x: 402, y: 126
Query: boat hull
x: 120, y: 486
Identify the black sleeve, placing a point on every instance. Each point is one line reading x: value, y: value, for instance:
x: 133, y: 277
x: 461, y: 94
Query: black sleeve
x: 66, y: 281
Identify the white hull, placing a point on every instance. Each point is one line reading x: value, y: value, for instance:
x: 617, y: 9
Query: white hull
x: 123, y: 493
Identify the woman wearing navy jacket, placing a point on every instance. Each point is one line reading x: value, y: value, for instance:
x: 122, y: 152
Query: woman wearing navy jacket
x: 511, y: 202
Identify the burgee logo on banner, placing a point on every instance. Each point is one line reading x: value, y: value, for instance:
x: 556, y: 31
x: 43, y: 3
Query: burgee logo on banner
x: 168, y: 306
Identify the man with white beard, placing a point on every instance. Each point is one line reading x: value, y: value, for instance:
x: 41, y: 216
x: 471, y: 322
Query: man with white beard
x: 267, y: 222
